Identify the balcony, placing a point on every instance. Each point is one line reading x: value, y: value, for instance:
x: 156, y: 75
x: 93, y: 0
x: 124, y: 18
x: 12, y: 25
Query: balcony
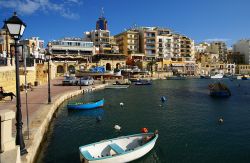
x: 150, y: 47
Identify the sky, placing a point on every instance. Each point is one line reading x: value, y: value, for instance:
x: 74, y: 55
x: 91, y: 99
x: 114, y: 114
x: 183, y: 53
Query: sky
x: 201, y: 20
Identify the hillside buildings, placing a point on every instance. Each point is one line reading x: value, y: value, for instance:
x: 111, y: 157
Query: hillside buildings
x: 243, y: 47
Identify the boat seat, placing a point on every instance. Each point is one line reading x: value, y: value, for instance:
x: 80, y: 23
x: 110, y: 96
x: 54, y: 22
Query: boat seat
x: 116, y: 148
x: 87, y: 155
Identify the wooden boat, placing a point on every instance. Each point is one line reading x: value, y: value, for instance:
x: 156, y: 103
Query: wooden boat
x: 219, y: 90
x: 117, y: 150
x: 82, y: 106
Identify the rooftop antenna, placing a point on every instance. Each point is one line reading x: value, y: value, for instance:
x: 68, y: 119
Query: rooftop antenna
x: 102, y: 12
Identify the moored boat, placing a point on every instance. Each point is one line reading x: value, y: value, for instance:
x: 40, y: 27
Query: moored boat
x: 82, y: 106
x: 244, y: 77
x: 219, y: 90
x: 176, y: 78
x: 118, y: 150
x: 143, y: 82
x: 217, y: 76
x: 205, y: 77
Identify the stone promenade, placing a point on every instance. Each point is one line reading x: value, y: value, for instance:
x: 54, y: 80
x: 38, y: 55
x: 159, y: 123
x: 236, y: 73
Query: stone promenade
x: 40, y: 112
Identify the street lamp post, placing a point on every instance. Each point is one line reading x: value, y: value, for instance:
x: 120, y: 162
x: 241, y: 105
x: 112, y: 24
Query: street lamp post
x: 16, y: 28
x: 48, y: 57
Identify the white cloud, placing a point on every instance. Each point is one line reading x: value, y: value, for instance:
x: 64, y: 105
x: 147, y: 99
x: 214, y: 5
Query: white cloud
x: 28, y: 7
x: 217, y: 39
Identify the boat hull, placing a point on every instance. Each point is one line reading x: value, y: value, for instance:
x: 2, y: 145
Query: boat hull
x: 217, y: 76
x: 86, y: 106
x: 220, y: 94
x: 126, y: 156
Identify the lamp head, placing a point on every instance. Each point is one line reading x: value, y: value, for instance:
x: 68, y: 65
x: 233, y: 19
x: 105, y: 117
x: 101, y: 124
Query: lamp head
x: 15, y: 26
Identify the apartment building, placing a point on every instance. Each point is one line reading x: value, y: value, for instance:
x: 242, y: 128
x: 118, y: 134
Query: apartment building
x: 186, y: 47
x: 235, y: 57
x: 71, y: 47
x: 148, y: 41
x: 166, y: 47
x: 218, y: 47
x: 201, y: 47
x: 35, y: 47
x: 243, y: 47
x: 128, y: 42
x: 98, y: 37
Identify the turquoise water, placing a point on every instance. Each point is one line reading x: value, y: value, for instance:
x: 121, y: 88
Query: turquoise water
x: 188, y: 122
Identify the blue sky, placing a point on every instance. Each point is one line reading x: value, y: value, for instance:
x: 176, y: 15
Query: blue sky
x: 198, y: 19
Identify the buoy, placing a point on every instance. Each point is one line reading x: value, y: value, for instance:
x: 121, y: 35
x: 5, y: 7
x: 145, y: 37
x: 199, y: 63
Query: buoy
x: 163, y: 98
x: 221, y: 120
x: 121, y: 104
x: 144, y: 130
x: 98, y: 119
x: 117, y: 127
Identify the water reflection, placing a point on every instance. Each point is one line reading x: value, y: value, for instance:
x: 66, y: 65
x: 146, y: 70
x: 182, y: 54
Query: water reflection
x: 151, y: 157
x: 99, y: 112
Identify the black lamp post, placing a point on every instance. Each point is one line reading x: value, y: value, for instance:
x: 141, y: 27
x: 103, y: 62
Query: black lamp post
x: 16, y: 28
x: 48, y: 58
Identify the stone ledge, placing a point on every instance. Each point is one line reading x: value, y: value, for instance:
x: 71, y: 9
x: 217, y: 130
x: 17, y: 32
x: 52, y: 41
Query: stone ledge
x: 40, y: 125
x: 12, y: 156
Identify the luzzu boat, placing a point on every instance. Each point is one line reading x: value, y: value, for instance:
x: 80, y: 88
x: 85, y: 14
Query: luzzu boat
x: 118, y: 150
x: 82, y: 106
x: 219, y: 90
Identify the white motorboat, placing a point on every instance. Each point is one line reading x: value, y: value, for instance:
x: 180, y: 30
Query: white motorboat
x: 118, y: 150
x: 217, y: 76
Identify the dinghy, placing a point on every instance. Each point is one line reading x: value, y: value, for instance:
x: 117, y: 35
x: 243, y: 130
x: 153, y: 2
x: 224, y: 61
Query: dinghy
x: 82, y: 106
x: 118, y: 150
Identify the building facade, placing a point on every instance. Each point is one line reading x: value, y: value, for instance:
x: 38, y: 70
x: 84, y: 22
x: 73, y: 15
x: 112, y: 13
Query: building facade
x: 148, y: 41
x: 128, y: 42
x: 243, y: 47
x: 218, y: 47
x: 72, y: 47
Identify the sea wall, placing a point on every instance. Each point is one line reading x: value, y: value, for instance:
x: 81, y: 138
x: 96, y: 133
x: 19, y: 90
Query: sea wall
x: 39, y: 126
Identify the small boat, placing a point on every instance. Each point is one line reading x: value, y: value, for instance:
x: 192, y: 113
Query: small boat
x: 219, y: 90
x: 118, y: 85
x: 118, y: 150
x: 179, y: 77
x: 143, y: 82
x: 217, y: 76
x: 82, y: 106
x: 244, y: 77
x: 205, y: 77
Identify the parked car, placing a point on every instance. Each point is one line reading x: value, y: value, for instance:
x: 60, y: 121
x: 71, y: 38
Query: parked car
x: 86, y: 80
x: 69, y: 80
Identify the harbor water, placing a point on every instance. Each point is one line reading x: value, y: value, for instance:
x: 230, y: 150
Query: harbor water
x: 187, y: 121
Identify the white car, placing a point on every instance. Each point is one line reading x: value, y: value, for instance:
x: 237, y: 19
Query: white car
x: 69, y: 80
x: 86, y: 80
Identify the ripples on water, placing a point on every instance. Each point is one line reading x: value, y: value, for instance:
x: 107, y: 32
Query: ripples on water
x: 187, y: 122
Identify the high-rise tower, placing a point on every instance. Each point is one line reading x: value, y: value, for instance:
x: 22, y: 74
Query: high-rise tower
x: 102, y: 23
